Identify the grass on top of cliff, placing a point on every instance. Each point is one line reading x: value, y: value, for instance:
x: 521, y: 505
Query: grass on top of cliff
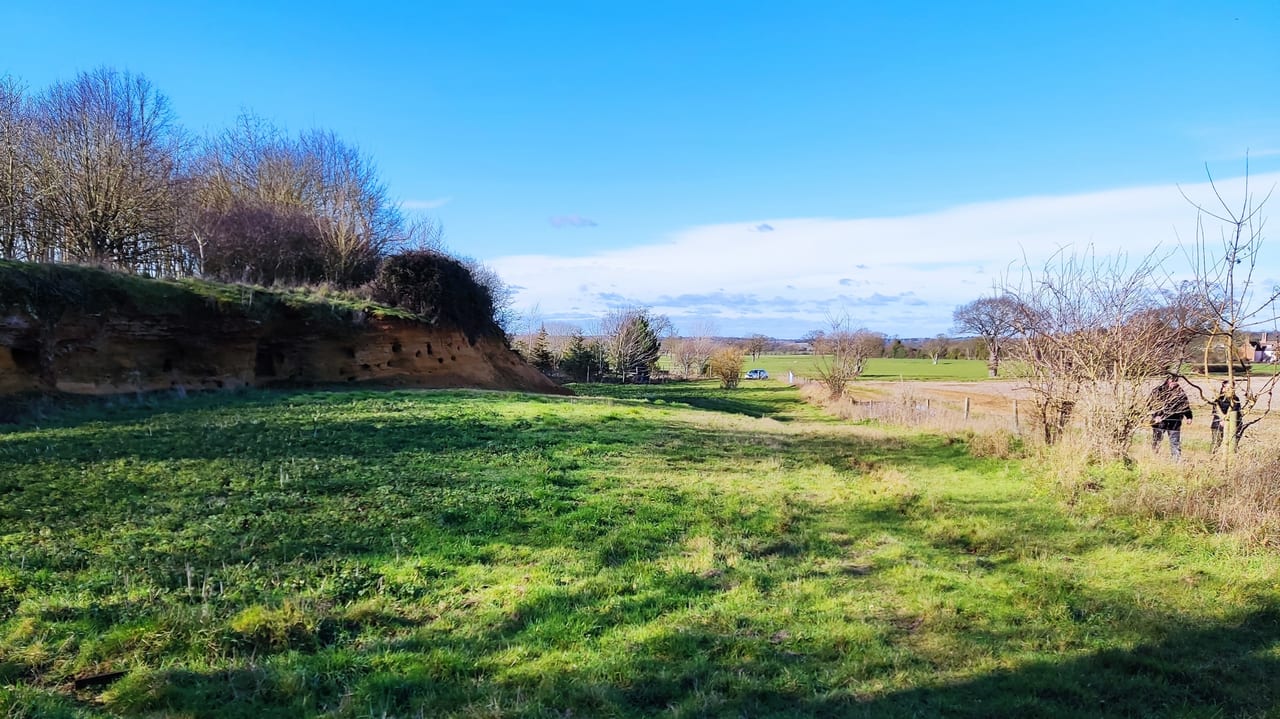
x: 44, y: 288
x: 684, y: 553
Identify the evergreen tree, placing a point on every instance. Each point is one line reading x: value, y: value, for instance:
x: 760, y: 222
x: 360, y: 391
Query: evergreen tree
x: 637, y: 353
x: 578, y: 359
x: 541, y: 352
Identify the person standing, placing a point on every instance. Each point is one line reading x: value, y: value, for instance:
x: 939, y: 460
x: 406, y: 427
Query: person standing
x: 1226, y: 408
x: 1169, y: 407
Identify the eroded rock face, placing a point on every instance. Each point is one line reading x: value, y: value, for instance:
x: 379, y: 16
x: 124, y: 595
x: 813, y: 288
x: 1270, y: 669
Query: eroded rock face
x: 115, y: 350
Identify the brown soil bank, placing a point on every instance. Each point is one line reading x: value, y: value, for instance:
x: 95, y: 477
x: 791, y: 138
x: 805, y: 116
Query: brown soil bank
x: 86, y: 331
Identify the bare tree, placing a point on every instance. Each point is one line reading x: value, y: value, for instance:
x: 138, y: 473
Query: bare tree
x: 936, y: 347
x: 356, y: 221
x: 756, y: 345
x: 1229, y: 297
x: 253, y: 168
x: 422, y: 233
x: 992, y: 319
x: 15, y: 171
x: 106, y: 160
x: 1092, y: 331
x: 842, y: 354
x: 501, y: 294
x: 690, y: 354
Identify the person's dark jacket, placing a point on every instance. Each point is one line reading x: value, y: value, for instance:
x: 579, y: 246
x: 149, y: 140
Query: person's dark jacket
x: 1223, y: 405
x: 1169, y: 406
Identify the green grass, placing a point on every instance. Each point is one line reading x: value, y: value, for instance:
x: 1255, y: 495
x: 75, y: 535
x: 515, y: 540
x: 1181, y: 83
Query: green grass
x: 768, y: 398
x: 671, y: 550
x: 879, y: 368
x: 46, y: 289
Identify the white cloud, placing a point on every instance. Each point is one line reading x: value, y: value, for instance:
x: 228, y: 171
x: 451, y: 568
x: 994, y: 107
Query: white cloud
x: 938, y: 260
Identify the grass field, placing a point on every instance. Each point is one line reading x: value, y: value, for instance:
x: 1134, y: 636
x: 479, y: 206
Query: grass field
x: 879, y: 368
x: 673, y: 550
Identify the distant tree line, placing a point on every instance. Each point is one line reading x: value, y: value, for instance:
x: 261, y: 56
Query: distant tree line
x: 97, y: 170
x: 624, y: 347
x: 627, y: 344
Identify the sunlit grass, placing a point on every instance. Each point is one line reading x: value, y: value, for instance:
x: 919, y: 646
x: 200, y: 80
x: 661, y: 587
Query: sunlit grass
x: 668, y: 550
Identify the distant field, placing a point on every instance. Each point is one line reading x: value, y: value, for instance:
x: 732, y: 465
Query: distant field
x: 671, y: 550
x: 879, y: 368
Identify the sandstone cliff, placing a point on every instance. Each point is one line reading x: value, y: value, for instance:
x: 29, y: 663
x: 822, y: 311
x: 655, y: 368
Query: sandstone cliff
x: 87, y: 331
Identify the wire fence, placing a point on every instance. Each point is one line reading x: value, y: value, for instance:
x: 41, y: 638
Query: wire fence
x: 911, y: 408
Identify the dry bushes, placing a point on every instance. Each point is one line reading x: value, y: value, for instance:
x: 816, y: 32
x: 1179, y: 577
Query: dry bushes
x: 1241, y: 498
x: 986, y: 435
x: 997, y: 444
x: 904, y: 406
x: 725, y: 365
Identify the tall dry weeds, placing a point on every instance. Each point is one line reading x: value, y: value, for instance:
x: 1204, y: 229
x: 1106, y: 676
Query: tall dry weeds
x: 987, y: 435
x: 1241, y: 497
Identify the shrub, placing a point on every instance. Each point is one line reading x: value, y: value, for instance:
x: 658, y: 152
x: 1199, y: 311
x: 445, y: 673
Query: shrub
x: 262, y: 244
x: 726, y: 365
x: 437, y: 288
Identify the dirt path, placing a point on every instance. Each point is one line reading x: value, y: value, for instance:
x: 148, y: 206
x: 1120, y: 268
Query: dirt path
x: 989, y: 397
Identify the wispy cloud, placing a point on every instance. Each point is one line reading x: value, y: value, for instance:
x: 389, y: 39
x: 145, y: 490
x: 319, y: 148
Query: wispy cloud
x: 924, y: 265
x: 763, y: 227
x: 426, y: 204
x: 571, y: 221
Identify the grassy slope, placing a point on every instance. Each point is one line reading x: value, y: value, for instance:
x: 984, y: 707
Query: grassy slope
x: 481, y: 554
x: 51, y: 287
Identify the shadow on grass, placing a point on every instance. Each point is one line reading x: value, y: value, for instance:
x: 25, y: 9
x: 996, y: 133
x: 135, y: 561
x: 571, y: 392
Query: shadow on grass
x: 1226, y: 669
x: 298, y: 498
x: 271, y: 428
x: 176, y: 503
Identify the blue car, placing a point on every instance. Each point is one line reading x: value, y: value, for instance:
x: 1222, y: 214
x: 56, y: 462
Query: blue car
x: 757, y: 374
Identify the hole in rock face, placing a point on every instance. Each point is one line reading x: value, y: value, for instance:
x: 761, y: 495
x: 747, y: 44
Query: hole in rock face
x: 27, y: 359
x: 440, y: 360
x: 264, y: 364
x: 428, y: 348
x: 365, y: 367
x: 350, y: 352
x: 418, y: 353
x: 396, y: 347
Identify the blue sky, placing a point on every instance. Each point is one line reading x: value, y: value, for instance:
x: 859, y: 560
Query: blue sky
x: 755, y: 165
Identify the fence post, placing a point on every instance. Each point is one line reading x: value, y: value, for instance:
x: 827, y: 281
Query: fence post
x: 966, y: 409
x: 1017, y: 426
